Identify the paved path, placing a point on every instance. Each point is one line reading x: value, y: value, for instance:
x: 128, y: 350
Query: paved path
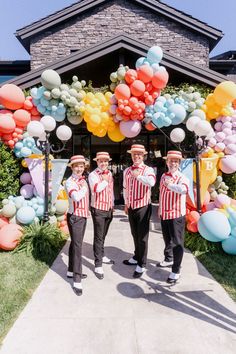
x: 122, y: 315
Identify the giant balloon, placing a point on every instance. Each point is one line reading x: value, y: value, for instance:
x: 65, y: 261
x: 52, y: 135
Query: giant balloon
x: 210, y: 229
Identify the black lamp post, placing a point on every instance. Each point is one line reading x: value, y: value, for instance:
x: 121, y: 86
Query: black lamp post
x: 41, y: 132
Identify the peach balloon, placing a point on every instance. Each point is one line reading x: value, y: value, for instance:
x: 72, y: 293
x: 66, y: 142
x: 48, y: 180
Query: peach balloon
x: 160, y: 79
x: 11, y: 96
x: 7, y: 124
x: 122, y: 92
x: 21, y: 117
x: 9, y: 236
x: 145, y: 73
x: 3, y: 221
x: 137, y: 88
x: 130, y: 76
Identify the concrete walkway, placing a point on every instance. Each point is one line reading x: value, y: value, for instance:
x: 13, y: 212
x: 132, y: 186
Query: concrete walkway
x: 122, y: 315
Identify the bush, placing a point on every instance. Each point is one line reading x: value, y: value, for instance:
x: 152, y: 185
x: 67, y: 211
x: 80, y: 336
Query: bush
x: 230, y: 181
x: 9, y: 173
x: 43, y: 241
x: 197, y: 244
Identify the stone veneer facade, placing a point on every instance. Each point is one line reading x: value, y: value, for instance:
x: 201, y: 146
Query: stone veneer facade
x: 111, y: 19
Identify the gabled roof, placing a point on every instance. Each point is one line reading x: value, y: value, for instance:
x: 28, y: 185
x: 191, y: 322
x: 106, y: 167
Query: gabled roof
x: 69, y: 63
x: 230, y: 55
x: 25, y: 34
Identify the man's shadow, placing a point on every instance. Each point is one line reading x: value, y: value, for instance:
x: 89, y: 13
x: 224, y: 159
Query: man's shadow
x: 194, y: 303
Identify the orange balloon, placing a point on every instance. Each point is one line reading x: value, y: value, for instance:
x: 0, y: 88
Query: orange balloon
x: 150, y: 126
x: 21, y: 117
x: 122, y: 92
x: 145, y: 73
x: 160, y: 79
x: 11, y: 96
x: 137, y: 88
x: 130, y: 76
x: 9, y: 236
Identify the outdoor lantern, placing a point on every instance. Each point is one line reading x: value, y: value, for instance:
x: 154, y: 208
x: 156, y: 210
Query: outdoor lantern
x: 177, y: 135
x: 49, y: 123
x: 63, y: 132
x: 203, y: 128
x: 35, y: 129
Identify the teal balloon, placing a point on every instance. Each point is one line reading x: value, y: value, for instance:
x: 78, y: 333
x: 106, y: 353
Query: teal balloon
x: 214, y: 226
x: 229, y: 245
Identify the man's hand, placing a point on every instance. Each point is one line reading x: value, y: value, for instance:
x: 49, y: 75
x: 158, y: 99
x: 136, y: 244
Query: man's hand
x: 136, y: 172
x: 105, y: 177
x: 126, y: 209
x: 168, y: 180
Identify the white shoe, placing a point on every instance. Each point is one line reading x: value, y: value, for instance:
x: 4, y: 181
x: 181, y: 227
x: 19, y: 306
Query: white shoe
x: 99, y: 270
x: 69, y: 274
x: 164, y: 264
x: 139, y: 269
x: 173, y: 277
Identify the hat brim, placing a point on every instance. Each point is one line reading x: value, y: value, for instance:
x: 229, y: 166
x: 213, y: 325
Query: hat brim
x: 130, y: 151
x: 173, y: 157
x: 76, y: 161
x: 103, y: 158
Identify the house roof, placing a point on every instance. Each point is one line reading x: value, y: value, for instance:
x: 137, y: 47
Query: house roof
x: 25, y: 34
x: 125, y: 42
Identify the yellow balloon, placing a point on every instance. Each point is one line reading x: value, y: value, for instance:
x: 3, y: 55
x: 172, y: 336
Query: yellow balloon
x: 115, y: 134
x: 23, y: 163
x: 94, y: 120
x: 225, y: 92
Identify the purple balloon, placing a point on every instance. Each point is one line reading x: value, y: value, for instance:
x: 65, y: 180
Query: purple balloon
x: 131, y: 128
x: 27, y: 191
x: 25, y: 178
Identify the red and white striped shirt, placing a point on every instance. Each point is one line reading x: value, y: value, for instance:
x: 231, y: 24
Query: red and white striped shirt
x: 102, y: 195
x: 137, y: 190
x: 78, y: 194
x: 172, y: 199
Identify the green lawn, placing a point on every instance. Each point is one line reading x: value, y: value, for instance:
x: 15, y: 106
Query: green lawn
x: 19, y: 276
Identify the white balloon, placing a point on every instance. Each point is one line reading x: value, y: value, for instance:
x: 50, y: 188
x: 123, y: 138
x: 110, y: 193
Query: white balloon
x: 203, y: 128
x: 48, y: 122
x: 63, y: 132
x: 198, y: 113
x: 35, y: 128
x: 177, y: 135
x: 191, y: 122
x: 75, y: 119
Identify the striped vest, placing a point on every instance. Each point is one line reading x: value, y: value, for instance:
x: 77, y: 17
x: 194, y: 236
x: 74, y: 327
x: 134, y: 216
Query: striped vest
x: 103, y: 200
x: 138, y: 194
x: 80, y: 208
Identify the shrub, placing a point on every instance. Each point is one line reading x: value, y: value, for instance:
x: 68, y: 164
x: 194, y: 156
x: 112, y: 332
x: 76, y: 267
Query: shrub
x: 9, y: 173
x: 197, y: 244
x: 43, y: 241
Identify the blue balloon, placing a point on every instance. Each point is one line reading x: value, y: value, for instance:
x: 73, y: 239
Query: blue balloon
x: 229, y: 245
x: 154, y: 54
x: 179, y: 112
x: 25, y: 152
x: 139, y: 62
x: 25, y: 215
x: 214, y: 226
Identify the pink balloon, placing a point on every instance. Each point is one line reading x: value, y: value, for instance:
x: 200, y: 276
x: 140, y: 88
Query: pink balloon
x: 7, y: 124
x: 27, y: 191
x: 131, y: 128
x: 210, y: 206
x: 3, y: 221
x: 9, y: 236
x: 21, y: 117
x: 230, y: 149
x: 11, y: 96
x: 227, y: 164
x: 25, y: 178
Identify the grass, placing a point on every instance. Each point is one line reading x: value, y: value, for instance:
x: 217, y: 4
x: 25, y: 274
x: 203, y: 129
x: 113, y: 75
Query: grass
x: 221, y: 265
x: 20, y: 274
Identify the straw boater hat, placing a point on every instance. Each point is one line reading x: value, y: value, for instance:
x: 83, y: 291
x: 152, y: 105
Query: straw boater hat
x: 137, y: 148
x: 173, y: 154
x: 102, y: 155
x: 76, y: 159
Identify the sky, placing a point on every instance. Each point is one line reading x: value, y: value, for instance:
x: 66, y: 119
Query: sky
x: 15, y: 14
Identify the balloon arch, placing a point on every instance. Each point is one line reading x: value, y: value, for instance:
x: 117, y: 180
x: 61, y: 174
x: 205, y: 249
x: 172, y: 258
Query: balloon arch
x: 133, y: 101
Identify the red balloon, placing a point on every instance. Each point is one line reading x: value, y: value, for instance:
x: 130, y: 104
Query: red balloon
x: 137, y: 88
x: 11, y: 96
x: 9, y: 236
x: 192, y: 227
x: 150, y: 126
x: 145, y: 73
x: 21, y: 117
x: 7, y: 124
x: 122, y: 92
x: 160, y: 79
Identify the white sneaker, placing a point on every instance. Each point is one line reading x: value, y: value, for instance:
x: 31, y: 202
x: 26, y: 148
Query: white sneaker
x: 164, y: 264
x: 173, y: 277
x: 139, y: 269
x: 99, y: 270
x: 69, y: 274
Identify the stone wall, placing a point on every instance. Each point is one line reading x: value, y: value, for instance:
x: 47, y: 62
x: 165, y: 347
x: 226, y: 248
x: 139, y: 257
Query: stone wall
x: 115, y: 18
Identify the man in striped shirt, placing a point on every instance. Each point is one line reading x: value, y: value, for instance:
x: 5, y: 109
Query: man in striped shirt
x: 172, y: 209
x: 137, y: 182
x: 102, y: 203
x: 78, y: 194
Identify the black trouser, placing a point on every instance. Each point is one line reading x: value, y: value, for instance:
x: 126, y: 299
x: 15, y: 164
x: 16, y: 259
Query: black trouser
x: 139, y: 220
x: 101, y: 223
x: 173, y: 234
x: 76, y: 225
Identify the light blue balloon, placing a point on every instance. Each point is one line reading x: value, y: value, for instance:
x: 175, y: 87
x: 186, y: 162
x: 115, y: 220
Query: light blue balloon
x: 25, y: 215
x: 25, y: 151
x: 139, y: 62
x: 229, y: 245
x: 40, y: 211
x: 154, y: 54
x: 18, y: 145
x: 179, y: 112
x: 214, y: 226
